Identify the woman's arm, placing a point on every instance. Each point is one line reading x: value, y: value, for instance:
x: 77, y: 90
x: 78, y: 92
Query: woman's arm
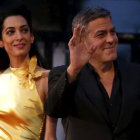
x: 50, y: 129
x: 51, y: 123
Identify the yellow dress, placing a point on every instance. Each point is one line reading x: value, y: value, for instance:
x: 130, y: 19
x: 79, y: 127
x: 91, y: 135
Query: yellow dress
x: 21, y: 109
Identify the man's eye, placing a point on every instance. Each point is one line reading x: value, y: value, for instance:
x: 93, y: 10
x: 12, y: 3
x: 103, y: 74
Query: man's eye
x: 100, y: 34
x: 113, y: 31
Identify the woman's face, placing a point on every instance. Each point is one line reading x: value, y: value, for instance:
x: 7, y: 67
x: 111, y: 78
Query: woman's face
x: 16, y: 36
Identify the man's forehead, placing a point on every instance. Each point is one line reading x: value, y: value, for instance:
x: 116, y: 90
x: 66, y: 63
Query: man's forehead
x: 104, y: 29
x: 100, y: 24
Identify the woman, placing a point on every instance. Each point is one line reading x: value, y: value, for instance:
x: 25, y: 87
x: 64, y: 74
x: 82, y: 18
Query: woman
x: 23, y: 85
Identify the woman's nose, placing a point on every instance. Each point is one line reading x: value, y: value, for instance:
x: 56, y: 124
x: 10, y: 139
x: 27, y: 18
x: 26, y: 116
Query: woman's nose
x: 19, y: 36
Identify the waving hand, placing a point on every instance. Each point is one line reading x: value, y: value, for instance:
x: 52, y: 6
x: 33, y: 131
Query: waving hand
x: 80, y: 52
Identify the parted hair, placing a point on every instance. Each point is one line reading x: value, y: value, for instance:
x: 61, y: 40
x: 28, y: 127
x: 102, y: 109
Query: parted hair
x: 89, y: 14
x: 14, y: 10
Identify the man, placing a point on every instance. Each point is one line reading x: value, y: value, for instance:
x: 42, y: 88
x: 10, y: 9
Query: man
x: 97, y: 97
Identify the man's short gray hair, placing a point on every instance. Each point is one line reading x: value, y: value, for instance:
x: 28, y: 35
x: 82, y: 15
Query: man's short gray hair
x: 89, y: 14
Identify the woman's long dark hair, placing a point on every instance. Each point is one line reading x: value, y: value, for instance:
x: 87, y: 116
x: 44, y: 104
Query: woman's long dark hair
x: 13, y: 10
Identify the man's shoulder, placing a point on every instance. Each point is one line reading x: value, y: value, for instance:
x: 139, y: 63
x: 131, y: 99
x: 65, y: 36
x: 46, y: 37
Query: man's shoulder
x: 129, y: 66
x: 59, y: 68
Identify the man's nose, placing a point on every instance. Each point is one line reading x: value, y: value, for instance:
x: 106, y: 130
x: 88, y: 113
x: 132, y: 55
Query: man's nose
x: 110, y: 38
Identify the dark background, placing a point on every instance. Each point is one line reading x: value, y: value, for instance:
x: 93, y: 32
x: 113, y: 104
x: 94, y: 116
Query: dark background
x: 52, y: 25
x: 52, y: 29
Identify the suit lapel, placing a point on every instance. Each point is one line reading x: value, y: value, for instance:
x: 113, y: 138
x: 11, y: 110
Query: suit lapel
x: 88, y: 82
x: 128, y: 100
x: 91, y: 89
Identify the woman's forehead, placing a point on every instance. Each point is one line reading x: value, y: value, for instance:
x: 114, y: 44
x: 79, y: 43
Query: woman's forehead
x: 15, y: 20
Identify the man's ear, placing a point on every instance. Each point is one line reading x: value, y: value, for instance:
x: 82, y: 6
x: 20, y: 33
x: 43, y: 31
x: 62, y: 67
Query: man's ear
x: 1, y: 44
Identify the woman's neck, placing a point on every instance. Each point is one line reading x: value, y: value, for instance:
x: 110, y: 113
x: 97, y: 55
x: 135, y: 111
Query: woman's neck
x: 17, y: 62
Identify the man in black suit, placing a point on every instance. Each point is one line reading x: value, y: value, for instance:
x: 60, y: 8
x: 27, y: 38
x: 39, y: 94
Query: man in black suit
x: 96, y: 97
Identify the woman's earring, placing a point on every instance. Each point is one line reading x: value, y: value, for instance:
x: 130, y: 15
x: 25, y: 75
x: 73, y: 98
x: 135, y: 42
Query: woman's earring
x: 32, y: 40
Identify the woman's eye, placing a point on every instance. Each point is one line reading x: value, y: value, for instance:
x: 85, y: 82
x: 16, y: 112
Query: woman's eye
x: 10, y: 32
x: 25, y: 30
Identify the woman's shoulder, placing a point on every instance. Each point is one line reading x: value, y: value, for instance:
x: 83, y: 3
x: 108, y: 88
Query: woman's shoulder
x: 1, y: 71
x: 44, y: 72
x: 42, y: 82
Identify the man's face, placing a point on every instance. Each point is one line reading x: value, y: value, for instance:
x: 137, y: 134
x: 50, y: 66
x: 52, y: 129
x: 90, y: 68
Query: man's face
x: 101, y: 33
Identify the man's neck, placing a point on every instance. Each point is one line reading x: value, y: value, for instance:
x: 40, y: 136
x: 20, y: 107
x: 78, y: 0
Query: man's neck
x: 106, y: 72
x: 103, y: 68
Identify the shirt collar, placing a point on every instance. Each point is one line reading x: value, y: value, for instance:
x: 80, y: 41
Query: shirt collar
x: 92, y: 69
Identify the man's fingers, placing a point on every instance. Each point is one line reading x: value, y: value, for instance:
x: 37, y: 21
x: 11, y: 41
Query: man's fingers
x: 76, y: 33
x: 90, y: 52
x: 72, y: 42
x: 82, y: 36
x: 94, y: 47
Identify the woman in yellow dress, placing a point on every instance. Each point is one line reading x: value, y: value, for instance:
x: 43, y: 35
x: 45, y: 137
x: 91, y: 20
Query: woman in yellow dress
x: 23, y: 85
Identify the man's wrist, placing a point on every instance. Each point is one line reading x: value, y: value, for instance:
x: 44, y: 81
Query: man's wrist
x: 72, y: 74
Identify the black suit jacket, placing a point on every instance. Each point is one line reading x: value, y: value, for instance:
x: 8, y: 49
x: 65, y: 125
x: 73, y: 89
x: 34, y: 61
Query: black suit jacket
x: 81, y: 105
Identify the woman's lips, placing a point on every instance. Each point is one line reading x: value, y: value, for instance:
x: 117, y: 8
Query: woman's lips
x: 19, y: 45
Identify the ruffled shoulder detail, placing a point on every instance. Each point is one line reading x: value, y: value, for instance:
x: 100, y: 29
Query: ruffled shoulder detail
x: 27, y: 73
